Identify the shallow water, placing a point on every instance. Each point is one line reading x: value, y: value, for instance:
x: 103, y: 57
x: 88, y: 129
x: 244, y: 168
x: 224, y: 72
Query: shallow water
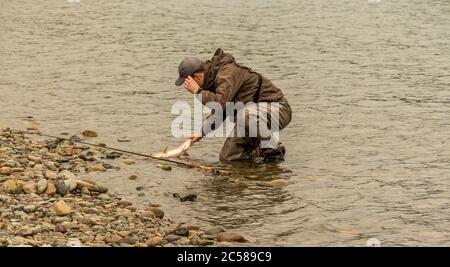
x: 368, y: 83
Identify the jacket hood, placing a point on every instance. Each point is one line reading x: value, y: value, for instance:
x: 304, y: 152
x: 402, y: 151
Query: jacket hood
x: 212, y: 66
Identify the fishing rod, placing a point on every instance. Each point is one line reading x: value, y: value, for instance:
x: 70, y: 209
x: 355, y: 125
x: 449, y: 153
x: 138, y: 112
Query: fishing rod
x: 211, y: 170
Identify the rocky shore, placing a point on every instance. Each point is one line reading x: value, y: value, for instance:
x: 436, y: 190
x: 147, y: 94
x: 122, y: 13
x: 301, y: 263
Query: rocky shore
x: 44, y: 203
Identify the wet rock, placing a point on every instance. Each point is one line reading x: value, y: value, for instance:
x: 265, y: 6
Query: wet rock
x: 188, y: 197
x: 103, y: 197
x: 41, y: 186
x: 192, y: 227
x: 154, y: 241
x: 192, y: 234
x: 278, y: 182
x: 6, y: 170
x: 13, y: 186
x: 71, y: 184
x: 50, y: 175
x: 129, y: 162
x: 146, y: 214
x: 158, y: 212
x: 230, y: 237
x: 61, y: 208
x: 112, y: 238
x: 204, y: 242
x: 35, y: 159
x: 95, y: 168
x: 215, y: 230
x: 113, y: 155
x: 73, y: 242
x: 60, y: 228
x: 85, y: 191
x: 124, y: 203
x: 164, y: 167
x: 24, y: 231
x: 89, y: 133
x: 66, y: 175
x: 51, y: 189
x: 182, y: 231
x: 133, y: 177
x: 61, y: 188
x: 127, y: 240
x: 29, y: 187
x: 58, y: 220
x: 172, y: 238
x: 29, y: 208
x: 5, y: 199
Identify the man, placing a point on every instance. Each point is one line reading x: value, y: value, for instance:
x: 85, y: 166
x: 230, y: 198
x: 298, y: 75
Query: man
x: 223, y: 80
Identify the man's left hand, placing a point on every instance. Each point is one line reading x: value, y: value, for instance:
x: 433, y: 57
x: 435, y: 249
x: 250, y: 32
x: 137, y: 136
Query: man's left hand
x: 191, y: 85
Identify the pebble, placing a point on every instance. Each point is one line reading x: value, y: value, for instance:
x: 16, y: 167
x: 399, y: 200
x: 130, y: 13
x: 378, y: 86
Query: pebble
x: 124, y: 203
x: 203, y: 242
x: 230, y: 237
x: 182, y: 231
x: 50, y: 175
x: 24, y: 231
x: 51, y: 189
x: 158, y: 212
x: 139, y: 188
x: 29, y: 208
x: 29, y: 187
x: 33, y: 158
x: 103, y: 197
x: 129, y: 162
x: 188, y: 197
x: 89, y: 133
x: 95, y: 168
x: 71, y: 184
x: 12, y: 186
x: 73, y: 242
x: 60, y: 228
x: 172, y: 238
x: 147, y: 214
x: 61, y: 208
x: 164, y: 167
x: 6, y: 170
x: 41, y: 186
x: 61, y: 188
x: 85, y: 191
x: 66, y: 175
x: 215, y: 230
x: 154, y: 241
x: 133, y: 177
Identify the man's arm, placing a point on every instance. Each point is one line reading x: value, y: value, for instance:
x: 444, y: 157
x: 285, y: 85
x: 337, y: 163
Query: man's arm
x: 226, y: 89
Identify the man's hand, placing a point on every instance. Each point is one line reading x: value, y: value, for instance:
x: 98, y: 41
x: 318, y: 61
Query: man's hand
x: 191, y: 85
x: 195, y: 138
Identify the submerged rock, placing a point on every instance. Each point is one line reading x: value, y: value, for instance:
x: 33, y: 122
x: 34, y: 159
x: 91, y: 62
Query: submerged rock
x: 89, y: 133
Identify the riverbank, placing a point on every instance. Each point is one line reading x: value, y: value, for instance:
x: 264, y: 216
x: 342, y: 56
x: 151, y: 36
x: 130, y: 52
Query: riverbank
x: 43, y: 202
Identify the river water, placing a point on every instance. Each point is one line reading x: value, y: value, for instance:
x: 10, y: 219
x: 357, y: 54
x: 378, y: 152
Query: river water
x: 368, y: 81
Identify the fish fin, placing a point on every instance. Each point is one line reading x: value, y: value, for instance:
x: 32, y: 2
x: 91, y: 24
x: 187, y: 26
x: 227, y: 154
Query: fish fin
x: 186, y: 153
x: 165, y: 149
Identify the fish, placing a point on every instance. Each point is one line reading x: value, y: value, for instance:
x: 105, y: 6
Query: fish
x: 174, y: 153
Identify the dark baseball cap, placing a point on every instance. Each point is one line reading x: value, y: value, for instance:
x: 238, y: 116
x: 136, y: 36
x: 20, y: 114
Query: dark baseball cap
x: 187, y: 67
